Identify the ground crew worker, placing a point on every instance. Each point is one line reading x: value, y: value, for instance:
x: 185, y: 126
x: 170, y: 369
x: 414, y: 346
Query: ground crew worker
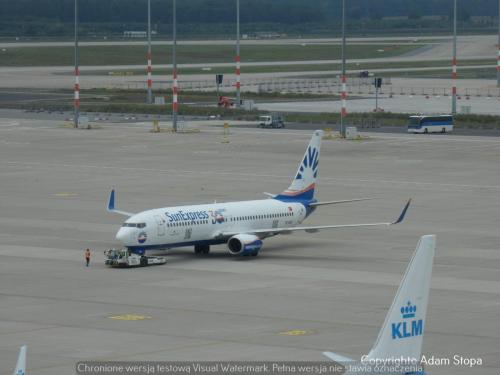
x: 87, y: 256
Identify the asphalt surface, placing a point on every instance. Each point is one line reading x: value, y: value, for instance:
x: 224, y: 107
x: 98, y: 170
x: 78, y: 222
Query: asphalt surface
x: 333, y: 287
x: 411, y: 104
x: 470, y: 47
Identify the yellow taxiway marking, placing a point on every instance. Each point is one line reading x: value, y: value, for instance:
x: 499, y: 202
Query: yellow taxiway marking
x: 65, y: 194
x: 129, y: 317
x: 296, y: 332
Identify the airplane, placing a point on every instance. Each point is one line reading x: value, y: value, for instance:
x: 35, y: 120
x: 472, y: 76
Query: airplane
x: 241, y: 225
x: 21, y: 362
x: 401, y: 336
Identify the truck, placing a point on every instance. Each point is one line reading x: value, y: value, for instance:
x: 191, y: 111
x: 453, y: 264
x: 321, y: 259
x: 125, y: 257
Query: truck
x: 125, y: 259
x: 274, y: 120
x: 225, y: 102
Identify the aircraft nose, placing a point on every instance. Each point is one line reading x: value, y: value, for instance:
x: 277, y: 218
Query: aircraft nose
x: 124, y: 235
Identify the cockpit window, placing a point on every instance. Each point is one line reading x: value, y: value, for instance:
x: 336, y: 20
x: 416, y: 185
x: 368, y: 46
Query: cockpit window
x: 134, y: 225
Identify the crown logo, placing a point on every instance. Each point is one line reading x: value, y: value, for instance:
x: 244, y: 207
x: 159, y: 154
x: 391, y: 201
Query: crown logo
x: 408, y: 311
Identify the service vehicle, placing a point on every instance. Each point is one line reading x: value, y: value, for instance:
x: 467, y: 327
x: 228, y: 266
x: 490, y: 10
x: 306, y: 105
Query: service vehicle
x: 430, y: 124
x: 125, y: 258
x: 271, y: 121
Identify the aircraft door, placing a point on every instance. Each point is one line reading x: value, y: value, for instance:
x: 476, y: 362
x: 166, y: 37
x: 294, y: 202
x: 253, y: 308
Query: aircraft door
x: 160, y: 225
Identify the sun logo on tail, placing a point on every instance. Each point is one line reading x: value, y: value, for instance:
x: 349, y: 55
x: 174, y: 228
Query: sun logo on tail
x: 310, y: 163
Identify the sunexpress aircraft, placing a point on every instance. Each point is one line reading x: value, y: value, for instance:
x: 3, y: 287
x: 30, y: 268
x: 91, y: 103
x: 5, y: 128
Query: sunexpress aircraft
x: 242, y: 225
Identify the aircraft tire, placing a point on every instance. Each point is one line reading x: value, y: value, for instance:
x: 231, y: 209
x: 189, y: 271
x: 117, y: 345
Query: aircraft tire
x: 201, y: 249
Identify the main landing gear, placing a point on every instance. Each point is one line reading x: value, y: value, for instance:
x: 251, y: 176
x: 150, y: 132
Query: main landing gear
x: 201, y: 249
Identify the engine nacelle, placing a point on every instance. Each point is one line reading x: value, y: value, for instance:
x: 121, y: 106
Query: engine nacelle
x: 244, y: 245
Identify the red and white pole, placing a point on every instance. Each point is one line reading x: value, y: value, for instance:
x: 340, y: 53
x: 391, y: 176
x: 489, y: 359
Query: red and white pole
x: 454, y: 76
x: 238, y: 59
x: 77, y: 72
x: 498, y: 63
x: 150, y: 69
x: 498, y: 57
x: 454, y: 63
x: 344, y: 96
x: 343, y: 111
x: 77, y: 90
x: 238, y: 78
x: 150, y: 80
x: 175, y: 90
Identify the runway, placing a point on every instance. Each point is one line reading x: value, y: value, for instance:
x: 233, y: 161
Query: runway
x: 334, y: 287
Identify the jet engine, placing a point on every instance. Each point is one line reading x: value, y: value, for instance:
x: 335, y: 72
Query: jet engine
x: 244, y: 245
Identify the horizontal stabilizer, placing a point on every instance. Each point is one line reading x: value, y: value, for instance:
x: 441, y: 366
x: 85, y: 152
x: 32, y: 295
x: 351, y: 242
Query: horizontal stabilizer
x: 269, y: 194
x: 315, y: 204
x: 338, y: 358
x: 111, y: 205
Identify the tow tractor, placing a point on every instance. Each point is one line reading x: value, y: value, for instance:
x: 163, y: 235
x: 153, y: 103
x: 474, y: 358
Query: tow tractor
x: 124, y: 258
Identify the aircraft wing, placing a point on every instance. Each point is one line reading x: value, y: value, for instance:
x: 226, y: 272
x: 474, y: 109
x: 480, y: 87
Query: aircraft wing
x: 313, y: 229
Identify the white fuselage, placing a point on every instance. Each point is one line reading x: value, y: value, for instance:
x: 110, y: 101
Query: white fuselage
x: 169, y: 227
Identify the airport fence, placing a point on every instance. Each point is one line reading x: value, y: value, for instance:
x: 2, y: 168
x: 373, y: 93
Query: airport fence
x: 323, y: 86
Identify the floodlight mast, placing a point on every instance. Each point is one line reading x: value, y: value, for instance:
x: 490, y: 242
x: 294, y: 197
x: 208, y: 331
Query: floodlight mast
x: 238, y: 59
x: 343, y: 111
x: 76, y: 101
x: 174, y: 68
x: 454, y: 61
x: 498, y: 56
x: 149, y: 58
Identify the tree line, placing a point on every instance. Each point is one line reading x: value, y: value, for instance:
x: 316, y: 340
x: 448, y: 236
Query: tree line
x: 28, y: 16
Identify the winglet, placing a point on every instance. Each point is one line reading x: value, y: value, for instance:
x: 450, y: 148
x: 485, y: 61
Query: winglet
x: 403, y: 213
x: 111, y: 202
x: 111, y: 205
x: 21, y: 362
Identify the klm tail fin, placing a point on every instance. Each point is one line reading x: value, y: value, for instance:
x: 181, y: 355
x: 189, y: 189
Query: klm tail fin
x: 403, y: 329
x: 302, y: 187
x: 21, y: 362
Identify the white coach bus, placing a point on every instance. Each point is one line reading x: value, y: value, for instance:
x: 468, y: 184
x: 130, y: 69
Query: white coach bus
x: 430, y: 124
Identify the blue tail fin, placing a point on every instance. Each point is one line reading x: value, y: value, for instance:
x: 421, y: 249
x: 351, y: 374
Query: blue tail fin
x: 304, y: 183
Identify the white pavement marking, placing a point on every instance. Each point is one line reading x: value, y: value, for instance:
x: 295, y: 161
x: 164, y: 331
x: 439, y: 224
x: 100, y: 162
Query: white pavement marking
x: 243, y: 175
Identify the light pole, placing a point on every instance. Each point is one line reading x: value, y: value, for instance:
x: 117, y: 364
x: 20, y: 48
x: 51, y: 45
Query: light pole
x: 150, y: 69
x: 174, y: 66
x: 454, y: 61
x: 498, y: 57
x: 238, y: 60
x: 77, y: 72
x: 343, y: 112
